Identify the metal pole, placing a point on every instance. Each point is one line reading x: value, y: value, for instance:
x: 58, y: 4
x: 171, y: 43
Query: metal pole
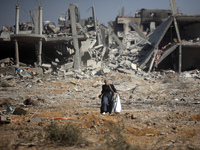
x: 75, y: 39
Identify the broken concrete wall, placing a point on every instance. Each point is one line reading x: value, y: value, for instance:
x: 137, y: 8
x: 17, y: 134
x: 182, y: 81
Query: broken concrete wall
x: 190, y: 58
x: 85, y: 55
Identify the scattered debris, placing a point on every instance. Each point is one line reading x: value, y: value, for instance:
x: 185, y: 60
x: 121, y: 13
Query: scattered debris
x: 19, y: 111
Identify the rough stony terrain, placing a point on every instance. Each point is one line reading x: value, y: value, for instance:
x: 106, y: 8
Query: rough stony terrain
x: 158, y: 111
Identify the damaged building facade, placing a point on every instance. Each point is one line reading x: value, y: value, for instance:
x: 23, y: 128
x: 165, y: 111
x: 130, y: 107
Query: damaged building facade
x: 174, y: 44
x: 147, y: 21
x: 151, y: 40
x: 41, y: 44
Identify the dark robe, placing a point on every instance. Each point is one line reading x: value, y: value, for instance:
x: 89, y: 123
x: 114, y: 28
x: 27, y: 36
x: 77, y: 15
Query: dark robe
x: 107, y: 98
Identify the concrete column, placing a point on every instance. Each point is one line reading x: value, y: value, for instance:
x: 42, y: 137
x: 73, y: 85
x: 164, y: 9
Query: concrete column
x: 180, y: 47
x: 40, y: 20
x: 110, y: 39
x: 40, y: 52
x: 17, y: 19
x: 16, y: 32
x: 75, y: 39
x: 103, y: 37
x: 16, y: 53
x: 39, y: 47
x: 93, y: 14
x: 126, y: 28
x: 180, y: 58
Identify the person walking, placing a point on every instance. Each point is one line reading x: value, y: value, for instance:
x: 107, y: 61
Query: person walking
x: 107, y: 97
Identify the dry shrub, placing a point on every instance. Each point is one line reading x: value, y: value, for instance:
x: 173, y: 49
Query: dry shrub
x: 195, y: 117
x: 115, y: 139
x: 6, y: 142
x: 69, y: 135
x: 189, y: 132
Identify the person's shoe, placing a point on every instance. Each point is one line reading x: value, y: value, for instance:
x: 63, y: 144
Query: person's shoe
x: 103, y: 113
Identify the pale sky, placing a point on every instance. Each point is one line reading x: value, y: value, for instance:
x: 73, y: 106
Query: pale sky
x: 106, y: 10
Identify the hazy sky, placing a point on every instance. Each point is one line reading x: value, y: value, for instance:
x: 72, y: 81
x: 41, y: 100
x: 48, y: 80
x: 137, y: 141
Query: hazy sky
x: 106, y: 10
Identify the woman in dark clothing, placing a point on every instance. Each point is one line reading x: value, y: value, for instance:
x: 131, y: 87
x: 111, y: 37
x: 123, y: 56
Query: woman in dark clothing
x: 107, y: 96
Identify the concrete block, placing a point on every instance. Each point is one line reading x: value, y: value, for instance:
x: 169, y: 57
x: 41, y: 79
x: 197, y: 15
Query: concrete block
x: 125, y: 71
x: 69, y: 73
x: 85, y: 45
x: 46, y: 65
x: 35, y: 120
x: 5, y: 119
x: 93, y: 72
x: 112, y: 66
x: 98, y: 46
x: 57, y: 60
x: 79, y: 76
x: 8, y: 69
x: 133, y: 66
x: 106, y: 70
x: 37, y: 70
x: 67, y: 66
x: 127, y: 63
x: 93, y: 63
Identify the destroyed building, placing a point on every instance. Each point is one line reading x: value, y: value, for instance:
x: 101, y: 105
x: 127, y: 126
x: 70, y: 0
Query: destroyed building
x: 152, y: 39
x: 40, y: 42
x: 146, y: 19
x: 174, y: 44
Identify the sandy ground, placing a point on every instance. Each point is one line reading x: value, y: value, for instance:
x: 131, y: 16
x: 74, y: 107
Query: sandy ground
x: 158, y: 112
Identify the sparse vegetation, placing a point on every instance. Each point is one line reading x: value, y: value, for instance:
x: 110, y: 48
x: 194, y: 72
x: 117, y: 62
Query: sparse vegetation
x: 68, y: 135
x: 116, y: 139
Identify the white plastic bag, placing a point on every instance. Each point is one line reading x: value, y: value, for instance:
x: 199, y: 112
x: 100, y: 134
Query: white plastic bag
x: 117, y: 104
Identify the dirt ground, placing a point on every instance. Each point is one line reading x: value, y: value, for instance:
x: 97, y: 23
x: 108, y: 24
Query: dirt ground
x: 158, y: 112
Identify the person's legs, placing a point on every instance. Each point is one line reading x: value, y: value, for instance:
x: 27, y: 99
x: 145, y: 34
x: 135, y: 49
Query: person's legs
x: 110, y: 105
x: 104, y: 104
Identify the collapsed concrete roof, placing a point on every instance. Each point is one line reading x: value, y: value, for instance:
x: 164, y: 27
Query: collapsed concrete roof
x: 156, y: 39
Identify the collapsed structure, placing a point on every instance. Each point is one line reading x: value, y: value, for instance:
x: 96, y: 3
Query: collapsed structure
x: 162, y: 39
x: 175, y: 43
